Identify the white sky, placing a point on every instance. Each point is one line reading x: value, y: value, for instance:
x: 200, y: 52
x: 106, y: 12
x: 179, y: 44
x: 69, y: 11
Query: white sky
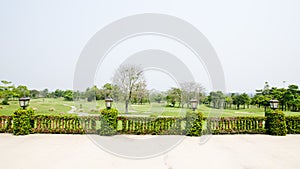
x: 256, y: 40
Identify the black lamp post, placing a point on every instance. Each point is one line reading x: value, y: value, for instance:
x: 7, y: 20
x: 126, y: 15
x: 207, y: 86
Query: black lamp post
x: 194, y: 104
x: 108, y: 103
x: 24, y: 102
x: 274, y: 104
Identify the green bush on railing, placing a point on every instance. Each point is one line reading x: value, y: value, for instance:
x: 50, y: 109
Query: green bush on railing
x: 293, y: 124
x: 22, y: 124
x: 194, y: 122
x: 236, y: 125
x: 275, y: 123
x: 150, y: 125
x: 108, y: 121
x: 57, y: 124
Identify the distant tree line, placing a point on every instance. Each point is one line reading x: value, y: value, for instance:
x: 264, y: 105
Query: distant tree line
x: 135, y: 92
x: 289, y: 98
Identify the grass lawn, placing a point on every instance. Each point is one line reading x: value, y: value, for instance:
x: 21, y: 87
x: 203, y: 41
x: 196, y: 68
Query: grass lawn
x: 59, y: 105
x: 42, y: 106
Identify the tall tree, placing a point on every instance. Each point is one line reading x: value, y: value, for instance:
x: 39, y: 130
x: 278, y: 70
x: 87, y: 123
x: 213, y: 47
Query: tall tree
x: 228, y: 102
x: 190, y: 90
x: 107, y: 90
x: 58, y: 93
x: 44, y: 93
x: 7, y: 90
x: 216, y: 99
x: 68, y: 95
x: 173, y: 96
x: 93, y: 93
x: 22, y: 91
x: 34, y: 93
x: 140, y: 92
x: 126, y: 77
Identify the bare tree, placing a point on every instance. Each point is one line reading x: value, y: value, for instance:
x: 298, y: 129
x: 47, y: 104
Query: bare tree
x: 126, y: 77
x: 190, y: 90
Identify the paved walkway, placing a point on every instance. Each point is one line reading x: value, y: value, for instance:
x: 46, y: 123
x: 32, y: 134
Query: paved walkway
x: 220, y: 152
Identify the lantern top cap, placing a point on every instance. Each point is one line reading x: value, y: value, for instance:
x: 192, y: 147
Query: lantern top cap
x: 108, y: 99
x: 24, y: 98
x: 274, y: 101
x: 194, y: 100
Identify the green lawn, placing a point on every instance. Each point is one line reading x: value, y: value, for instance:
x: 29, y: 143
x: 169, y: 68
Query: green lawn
x: 43, y: 106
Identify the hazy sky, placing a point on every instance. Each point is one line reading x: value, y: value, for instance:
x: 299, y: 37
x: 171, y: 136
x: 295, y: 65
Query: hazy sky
x: 256, y: 40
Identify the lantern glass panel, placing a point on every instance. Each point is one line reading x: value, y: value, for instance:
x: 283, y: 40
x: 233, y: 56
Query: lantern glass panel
x: 22, y: 103
x: 108, y: 105
x: 274, y: 104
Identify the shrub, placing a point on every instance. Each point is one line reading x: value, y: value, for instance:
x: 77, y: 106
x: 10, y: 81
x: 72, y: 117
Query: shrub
x: 22, y: 124
x: 151, y: 125
x: 235, y: 125
x: 194, y: 123
x: 5, y: 102
x: 108, y: 121
x: 275, y: 123
x: 52, y: 109
x: 293, y: 124
x: 57, y: 124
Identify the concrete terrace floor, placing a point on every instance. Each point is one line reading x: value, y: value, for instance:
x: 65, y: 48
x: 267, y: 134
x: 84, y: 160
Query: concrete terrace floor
x: 40, y: 151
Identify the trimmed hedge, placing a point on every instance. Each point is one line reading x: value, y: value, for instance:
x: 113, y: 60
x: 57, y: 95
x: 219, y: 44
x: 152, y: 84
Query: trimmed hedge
x: 293, y: 124
x: 108, y: 122
x: 194, y: 122
x: 275, y: 123
x: 235, y: 125
x: 22, y: 123
x: 151, y: 125
x: 57, y: 124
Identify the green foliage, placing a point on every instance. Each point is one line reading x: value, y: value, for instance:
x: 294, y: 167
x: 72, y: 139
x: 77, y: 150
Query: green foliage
x: 58, y: 93
x: 108, y: 121
x: 68, y: 95
x: 4, y: 102
x: 216, y: 99
x: 21, y: 91
x: 293, y: 124
x: 34, y: 93
x: 151, y: 125
x: 194, y: 123
x: 275, y: 123
x: 173, y: 97
x: 158, y: 98
x: 58, y: 124
x: 22, y: 123
x: 139, y: 93
x: 235, y: 125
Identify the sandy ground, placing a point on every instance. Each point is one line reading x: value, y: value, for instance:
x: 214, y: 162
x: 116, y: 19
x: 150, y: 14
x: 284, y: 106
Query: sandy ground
x: 220, y: 152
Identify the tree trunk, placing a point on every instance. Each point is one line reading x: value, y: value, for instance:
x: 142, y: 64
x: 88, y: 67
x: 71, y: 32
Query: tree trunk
x: 126, y: 106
